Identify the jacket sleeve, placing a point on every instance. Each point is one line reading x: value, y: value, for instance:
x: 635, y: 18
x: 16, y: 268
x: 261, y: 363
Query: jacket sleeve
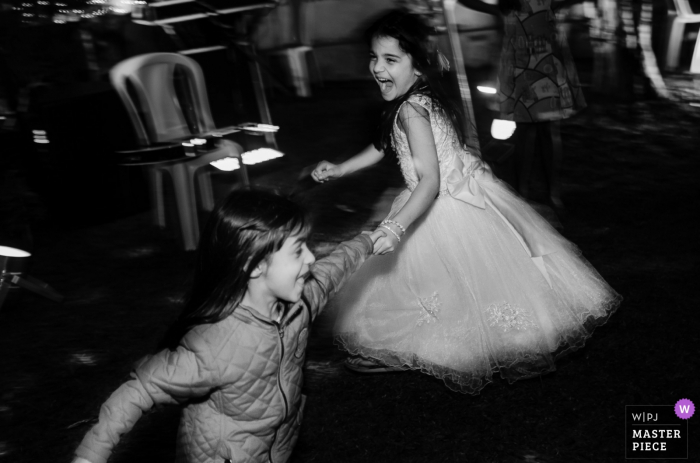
x: 333, y: 271
x: 165, y: 378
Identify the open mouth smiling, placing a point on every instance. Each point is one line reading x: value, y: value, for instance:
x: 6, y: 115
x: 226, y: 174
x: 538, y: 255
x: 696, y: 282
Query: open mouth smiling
x: 383, y: 82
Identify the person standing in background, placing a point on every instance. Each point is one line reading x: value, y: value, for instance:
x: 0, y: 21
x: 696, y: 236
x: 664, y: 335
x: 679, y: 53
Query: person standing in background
x: 537, y: 87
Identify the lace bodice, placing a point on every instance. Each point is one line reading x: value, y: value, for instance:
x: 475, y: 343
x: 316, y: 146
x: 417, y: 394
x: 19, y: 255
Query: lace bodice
x: 449, y: 151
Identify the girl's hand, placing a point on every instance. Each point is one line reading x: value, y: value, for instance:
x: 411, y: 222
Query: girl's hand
x: 374, y: 236
x: 384, y: 242
x: 325, y: 171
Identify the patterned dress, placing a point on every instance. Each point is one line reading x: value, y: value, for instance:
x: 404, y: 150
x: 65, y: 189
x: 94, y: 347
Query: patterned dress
x: 480, y: 283
x: 537, y: 80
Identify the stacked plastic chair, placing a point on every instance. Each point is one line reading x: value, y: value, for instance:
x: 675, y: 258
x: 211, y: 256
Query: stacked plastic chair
x: 166, y: 117
x: 679, y: 15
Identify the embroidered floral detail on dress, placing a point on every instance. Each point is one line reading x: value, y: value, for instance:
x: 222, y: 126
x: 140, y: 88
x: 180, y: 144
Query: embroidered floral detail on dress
x: 431, y: 307
x: 509, y: 317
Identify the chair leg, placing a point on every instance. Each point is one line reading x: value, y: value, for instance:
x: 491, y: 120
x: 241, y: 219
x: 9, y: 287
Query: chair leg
x: 4, y: 290
x: 675, y: 40
x: 695, y: 62
x: 237, y: 152
x: 300, y: 70
x: 155, y: 177
x: 192, y: 189
x: 318, y: 76
x: 244, y: 173
x: 187, y: 209
x: 206, y: 190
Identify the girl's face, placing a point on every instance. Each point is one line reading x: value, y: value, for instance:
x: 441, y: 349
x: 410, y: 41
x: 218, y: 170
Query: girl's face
x: 391, y: 67
x: 285, y: 271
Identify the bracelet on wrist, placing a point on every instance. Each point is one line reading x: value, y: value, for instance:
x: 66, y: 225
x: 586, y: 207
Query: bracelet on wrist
x: 393, y: 222
x: 392, y: 231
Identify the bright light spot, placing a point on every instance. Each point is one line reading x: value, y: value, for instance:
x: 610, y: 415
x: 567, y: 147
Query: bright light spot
x: 486, y: 89
x: 226, y: 164
x: 13, y: 252
x: 260, y: 127
x: 39, y: 132
x: 198, y: 141
x: 502, y: 130
x: 120, y: 6
x: 695, y: 105
x: 43, y: 141
x: 260, y: 155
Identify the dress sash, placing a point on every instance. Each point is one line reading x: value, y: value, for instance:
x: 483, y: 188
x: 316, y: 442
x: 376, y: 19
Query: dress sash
x: 472, y: 188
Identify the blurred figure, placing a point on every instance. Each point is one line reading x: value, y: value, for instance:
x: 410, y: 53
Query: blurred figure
x: 234, y: 357
x: 538, y: 87
x: 472, y: 280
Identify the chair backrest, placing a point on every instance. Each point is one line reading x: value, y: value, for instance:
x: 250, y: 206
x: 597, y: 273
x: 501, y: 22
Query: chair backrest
x: 684, y: 9
x: 147, y: 86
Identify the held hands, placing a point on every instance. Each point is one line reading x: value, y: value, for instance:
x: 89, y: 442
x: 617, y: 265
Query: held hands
x: 383, y: 244
x: 374, y: 236
x: 387, y: 237
x: 325, y: 171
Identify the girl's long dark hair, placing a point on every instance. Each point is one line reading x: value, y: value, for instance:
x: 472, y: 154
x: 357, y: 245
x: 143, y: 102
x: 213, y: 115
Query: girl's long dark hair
x: 414, y: 38
x: 240, y: 233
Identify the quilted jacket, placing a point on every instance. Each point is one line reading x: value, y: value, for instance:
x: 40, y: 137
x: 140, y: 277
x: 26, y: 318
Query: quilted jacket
x: 240, y: 379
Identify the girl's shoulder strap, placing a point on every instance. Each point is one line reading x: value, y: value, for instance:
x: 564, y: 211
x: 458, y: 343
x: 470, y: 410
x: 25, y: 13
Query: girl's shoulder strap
x: 422, y: 100
x: 424, y: 103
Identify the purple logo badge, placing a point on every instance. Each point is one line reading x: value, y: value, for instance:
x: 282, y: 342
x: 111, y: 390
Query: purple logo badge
x: 684, y: 409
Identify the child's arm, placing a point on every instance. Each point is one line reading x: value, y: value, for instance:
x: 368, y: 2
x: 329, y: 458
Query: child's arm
x: 331, y: 272
x: 415, y: 122
x: 166, y: 378
x: 325, y: 170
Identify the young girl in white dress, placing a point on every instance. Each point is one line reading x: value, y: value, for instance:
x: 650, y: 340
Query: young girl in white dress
x: 472, y: 280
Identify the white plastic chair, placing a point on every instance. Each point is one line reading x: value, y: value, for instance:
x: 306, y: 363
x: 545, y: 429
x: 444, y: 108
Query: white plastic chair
x: 679, y: 14
x: 163, y: 120
x: 695, y: 62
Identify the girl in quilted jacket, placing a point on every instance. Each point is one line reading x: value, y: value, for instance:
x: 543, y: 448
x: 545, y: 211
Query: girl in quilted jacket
x: 234, y: 358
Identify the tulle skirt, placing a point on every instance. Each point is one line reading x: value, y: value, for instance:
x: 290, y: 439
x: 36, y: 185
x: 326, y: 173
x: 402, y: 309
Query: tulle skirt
x: 462, y: 298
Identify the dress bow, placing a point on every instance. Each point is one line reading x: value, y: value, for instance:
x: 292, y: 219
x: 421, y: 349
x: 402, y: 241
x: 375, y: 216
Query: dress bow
x: 466, y: 188
x: 469, y: 189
